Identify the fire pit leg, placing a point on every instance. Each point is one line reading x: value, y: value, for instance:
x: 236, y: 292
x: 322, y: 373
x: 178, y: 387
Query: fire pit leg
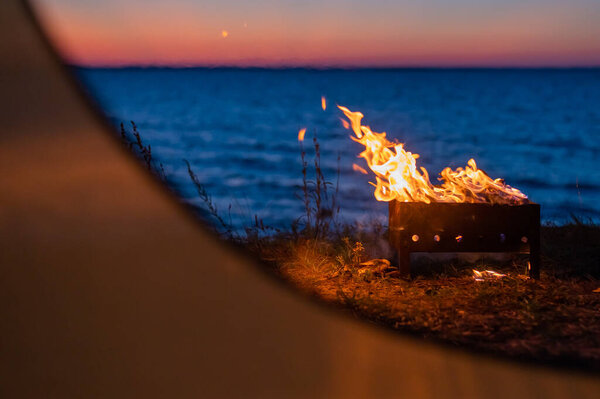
x: 404, y: 262
x: 534, y: 258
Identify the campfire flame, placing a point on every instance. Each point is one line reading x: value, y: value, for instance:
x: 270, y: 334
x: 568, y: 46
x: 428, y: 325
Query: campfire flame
x: 486, y: 275
x: 398, y: 177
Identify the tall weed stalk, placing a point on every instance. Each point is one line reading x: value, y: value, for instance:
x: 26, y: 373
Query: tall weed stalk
x: 134, y: 142
x: 319, y: 197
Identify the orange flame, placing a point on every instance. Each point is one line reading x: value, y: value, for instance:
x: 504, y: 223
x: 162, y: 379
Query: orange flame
x: 487, y: 275
x: 301, y: 133
x: 323, y: 103
x: 398, y: 178
x: 360, y: 169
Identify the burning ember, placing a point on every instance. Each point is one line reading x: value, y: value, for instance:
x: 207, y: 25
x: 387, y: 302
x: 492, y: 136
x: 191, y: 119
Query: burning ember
x: 398, y: 178
x: 487, y: 275
x: 301, y: 134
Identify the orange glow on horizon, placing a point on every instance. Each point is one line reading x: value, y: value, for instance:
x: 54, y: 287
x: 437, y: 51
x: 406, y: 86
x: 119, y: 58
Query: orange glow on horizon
x: 176, y: 35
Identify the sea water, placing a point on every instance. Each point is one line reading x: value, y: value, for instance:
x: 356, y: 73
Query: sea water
x: 539, y: 129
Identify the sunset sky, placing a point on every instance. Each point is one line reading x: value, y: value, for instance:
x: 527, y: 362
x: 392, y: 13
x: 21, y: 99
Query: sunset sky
x: 325, y: 32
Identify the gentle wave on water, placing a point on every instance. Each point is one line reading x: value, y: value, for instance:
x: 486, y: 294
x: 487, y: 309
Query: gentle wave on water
x: 537, y: 129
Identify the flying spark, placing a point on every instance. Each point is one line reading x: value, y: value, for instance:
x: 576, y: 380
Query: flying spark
x: 301, y: 134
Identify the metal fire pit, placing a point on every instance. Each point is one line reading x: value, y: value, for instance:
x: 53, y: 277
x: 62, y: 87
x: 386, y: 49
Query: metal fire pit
x: 464, y: 227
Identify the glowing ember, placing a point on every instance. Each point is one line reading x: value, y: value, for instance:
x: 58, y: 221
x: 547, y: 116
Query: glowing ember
x: 486, y: 275
x: 323, y: 103
x: 398, y: 178
x: 301, y: 134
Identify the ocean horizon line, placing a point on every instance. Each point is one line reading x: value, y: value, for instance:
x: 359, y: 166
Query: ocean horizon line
x: 329, y: 68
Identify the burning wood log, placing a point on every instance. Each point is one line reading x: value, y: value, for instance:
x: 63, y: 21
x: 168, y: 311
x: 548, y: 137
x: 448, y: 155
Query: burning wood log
x: 376, y: 267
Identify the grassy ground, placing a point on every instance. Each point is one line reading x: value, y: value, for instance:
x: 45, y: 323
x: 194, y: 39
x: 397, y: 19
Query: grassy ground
x: 555, y: 319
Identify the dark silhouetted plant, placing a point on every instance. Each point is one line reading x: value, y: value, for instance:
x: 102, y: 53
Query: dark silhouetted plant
x: 319, y: 197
